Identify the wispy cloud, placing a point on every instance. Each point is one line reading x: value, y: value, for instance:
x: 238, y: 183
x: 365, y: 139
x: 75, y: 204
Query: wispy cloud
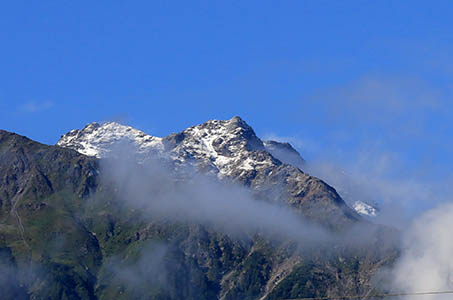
x: 381, y: 179
x: 35, y: 106
x: 381, y: 139
x: 372, y: 96
x: 301, y: 144
x: 228, y: 207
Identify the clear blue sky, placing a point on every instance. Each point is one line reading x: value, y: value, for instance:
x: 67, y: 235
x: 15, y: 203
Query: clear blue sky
x: 339, y: 78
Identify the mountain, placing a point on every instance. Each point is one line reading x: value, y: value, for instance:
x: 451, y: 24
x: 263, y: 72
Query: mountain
x: 68, y: 229
x: 228, y: 149
x: 207, y: 145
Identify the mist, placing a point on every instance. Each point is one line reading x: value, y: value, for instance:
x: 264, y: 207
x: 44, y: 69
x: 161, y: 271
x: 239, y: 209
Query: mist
x: 398, y: 198
x: 385, y: 142
x: 161, y: 189
x: 10, y: 284
x: 147, y: 268
x: 426, y: 263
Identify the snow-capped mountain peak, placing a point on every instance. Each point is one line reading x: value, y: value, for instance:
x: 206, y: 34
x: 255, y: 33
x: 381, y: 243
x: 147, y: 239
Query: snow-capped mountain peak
x: 97, y: 139
x: 226, y: 148
x: 221, y: 146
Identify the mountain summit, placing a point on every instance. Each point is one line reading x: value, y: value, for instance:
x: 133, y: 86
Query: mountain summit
x: 230, y: 149
x: 223, y: 146
x: 97, y: 140
x: 227, y: 148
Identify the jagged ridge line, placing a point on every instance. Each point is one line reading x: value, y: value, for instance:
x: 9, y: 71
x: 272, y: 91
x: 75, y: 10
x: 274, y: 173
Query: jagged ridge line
x: 373, y: 296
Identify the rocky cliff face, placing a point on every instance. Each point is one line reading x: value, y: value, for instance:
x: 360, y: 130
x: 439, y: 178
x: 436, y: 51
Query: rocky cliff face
x: 65, y: 233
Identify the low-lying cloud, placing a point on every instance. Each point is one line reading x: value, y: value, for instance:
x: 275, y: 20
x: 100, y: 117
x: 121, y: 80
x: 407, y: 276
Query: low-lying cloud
x: 146, y: 268
x: 158, y: 190
x: 426, y: 263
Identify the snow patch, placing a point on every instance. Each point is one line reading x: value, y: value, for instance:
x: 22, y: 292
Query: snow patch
x: 364, y: 209
x: 97, y: 140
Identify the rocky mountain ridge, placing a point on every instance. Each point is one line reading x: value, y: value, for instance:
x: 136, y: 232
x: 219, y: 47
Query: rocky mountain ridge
x: 219, y: 145
x: 226, y: 148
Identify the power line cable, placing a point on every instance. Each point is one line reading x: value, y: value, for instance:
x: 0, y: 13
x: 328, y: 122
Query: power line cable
x: 374, y: 296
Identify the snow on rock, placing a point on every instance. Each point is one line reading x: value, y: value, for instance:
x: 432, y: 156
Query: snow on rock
x: 222, y: 146
x: 99, y: 140
x: 364, y: 209
x: 217, y: 146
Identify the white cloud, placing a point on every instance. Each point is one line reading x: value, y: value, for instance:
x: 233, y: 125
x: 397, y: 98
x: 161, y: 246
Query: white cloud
x: 34, y: 107
x: 301, y: 145
x: 426, y: 263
